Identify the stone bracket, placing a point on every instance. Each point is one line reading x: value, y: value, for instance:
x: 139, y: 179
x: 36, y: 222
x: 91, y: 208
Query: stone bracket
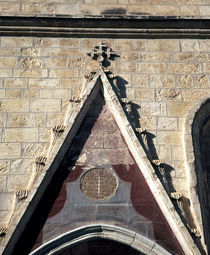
x: 22, y: 194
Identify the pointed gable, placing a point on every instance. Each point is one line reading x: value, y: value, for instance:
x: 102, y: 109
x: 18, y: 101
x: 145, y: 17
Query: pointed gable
x: 100, y: 147
x: 104, y: 184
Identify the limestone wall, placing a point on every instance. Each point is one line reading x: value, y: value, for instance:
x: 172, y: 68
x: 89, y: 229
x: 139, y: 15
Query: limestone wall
x: 196, y: 8
x: 164, y: 78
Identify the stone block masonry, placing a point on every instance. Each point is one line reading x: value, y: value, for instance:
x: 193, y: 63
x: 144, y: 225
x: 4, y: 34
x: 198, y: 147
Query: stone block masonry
x: 185, y: 8
x: 164, y: 78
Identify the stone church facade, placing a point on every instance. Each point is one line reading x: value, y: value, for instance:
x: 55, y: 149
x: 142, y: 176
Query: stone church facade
x: 104, y: 127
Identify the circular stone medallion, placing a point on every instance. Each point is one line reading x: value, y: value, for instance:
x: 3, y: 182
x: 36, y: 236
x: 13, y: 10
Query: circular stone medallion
x: 98, y: 184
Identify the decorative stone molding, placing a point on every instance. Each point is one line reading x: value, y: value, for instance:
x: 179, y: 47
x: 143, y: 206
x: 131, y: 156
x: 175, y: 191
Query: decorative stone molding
x: 141, y: 130
x: 157, y: 162
x: 58, y: 130
x: 193, y: 122
x: 22, y: 194
x: 40, y: 162
x: 94, y: 231
x: 176, y: 195
x: 196, y: 232
x: 100, y: 26
x: 75, y: 100
x: 89, y: 76
x: 3, y: 232
x: 102, y: 54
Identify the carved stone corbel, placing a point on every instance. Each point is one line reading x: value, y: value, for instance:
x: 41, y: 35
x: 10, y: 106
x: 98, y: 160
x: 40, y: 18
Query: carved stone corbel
x: 22, y: 194
x: 3, y: 232
x: 157, y: 162
x: 89, y: 76
x: 75, y: 99
x: 196, y: 232
x: 40, y: 162
x: 58, y: 130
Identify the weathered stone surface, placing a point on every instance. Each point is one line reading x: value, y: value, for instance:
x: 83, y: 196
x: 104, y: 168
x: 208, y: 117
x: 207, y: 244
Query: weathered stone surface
x: 43, y: 83
x: 189, y: 45
x: 156, y: 57
x: 9, y: 51
x: 15, y: 83
x: 184, y: 81
x: 32, y: 52
x: 54, y: 119
x: 163, y: 45
x: 140, y: 80
x: 148, y: 122
x: 178, y: 108
x: 26, y: 120
x: 10, y: 150
x: 22, y: 166
x: 3, y: 182
x: 184, y: 57
x: 15, y: 182
x: 153, y: 108
x: 166, y: 123
x: 55, y: 93
x: 169, y: 137
x: 130, y: 45
x: 164, y: 81
x: 14, y: 93
x: 194, y: 94
x: 14, y: 105
x: 202, y: 81
x: 6, y: 200
x: 2, y: 93
x: 31, y: 93
x: 177, y: 153
x: 45, y: 7
x: 167, y: 94
x: 21, y: 135
x: 45, y: 105
x: 164, y: 152
x: 186, y: 11
x: 33, y: 150
x: 141, y: 8
x: 8, y: 62
x: 204, y: 10
x: 4, y: 166
x: 30, y: 73
x: 55, y: 62
x: 168, y: 10
x: 152, y: 68
x: 144, y: 94
x: 18, y: 41
x: 187, y: 68
x: 63, y: 73
x: 30, y: 62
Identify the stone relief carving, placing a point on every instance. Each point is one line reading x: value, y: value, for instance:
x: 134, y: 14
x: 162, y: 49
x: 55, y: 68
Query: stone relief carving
x: 3, y: 232
x: 40, y: 162
x: 22, y: 194
x: 102, y: 54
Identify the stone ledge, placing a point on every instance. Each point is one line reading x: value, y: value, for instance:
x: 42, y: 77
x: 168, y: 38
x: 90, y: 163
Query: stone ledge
x: 106, y: 26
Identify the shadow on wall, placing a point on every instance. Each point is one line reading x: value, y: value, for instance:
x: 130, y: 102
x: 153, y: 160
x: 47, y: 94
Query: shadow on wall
x: 163, y: 170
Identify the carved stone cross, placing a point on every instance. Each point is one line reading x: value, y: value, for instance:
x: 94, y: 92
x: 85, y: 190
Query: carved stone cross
x: 101, y: 53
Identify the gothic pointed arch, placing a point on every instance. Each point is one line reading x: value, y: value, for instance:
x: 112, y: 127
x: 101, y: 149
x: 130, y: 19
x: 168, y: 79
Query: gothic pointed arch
x: 197, y: 153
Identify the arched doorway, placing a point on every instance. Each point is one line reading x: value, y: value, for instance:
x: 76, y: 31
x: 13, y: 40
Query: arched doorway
x: 90, y: 237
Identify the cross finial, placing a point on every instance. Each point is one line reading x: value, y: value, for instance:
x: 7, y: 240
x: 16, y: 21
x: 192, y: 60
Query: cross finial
x: 102, y: 53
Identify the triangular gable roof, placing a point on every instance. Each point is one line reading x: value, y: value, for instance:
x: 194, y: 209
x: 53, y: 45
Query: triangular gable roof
x: 75, y: 116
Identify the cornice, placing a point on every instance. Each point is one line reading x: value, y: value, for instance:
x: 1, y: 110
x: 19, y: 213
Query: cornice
x: 105, y: 26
